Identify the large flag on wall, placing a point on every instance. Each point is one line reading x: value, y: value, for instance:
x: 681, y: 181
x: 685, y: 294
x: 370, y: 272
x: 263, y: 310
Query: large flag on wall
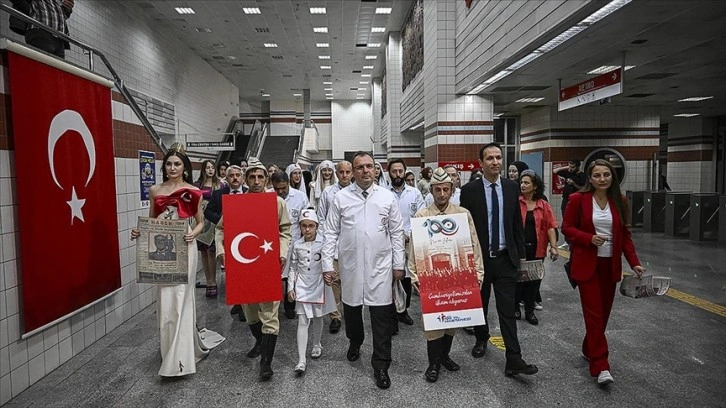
x: 66, y: 189
x: 252, y: 248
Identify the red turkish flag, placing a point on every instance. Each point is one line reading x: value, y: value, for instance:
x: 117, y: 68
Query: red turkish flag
x: 252, y: 248
x: 66, y: 190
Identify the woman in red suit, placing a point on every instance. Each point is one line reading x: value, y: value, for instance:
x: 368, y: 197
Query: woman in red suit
x: 598, y: 230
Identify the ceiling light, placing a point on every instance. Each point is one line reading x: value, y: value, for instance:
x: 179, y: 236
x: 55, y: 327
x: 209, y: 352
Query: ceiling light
x: 329, y: 97
x: 231, y: 57
x: 203, y: 30
x: 363, y: 82
x: 695, y: 99
x: 383, y: 10
x: 184, y: 10
x: 327, y: 83
x: 378, y: 29
x: 251, y: 10
x: 365, y: 75
x: 265, y: 95
x: 361, y: 89
x: 320, y: 29
x: 528, y: 100
x: 317, y: 10
x: 328, y: 89
x: 297, y: 94
x: 328, y: 94
x: 322, y: 45
x: 326, y: 57
x: 686, y: 115
x: 607, y: 68
x: 270, y: 45
x: 368, y: 67
x: 326, y: 67
x: 371, y: 57
x: 604, y: 11
x: 360, y: 95
x: 374, y: 45
x: 420, y: 125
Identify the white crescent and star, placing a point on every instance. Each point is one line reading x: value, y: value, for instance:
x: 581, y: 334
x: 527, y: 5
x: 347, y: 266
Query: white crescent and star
x: 62, y: 123
x: 266, y: 247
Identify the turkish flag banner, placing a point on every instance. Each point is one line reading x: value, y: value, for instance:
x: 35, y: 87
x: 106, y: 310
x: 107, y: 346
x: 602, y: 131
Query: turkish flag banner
x: 66, y: 190
x: 252, y: 248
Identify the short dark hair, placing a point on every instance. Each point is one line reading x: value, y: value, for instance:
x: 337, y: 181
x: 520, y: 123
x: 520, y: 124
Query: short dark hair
x: 575, y: 162
x: 394, y: 161
x: 279, y: 177
x: 486, y: 146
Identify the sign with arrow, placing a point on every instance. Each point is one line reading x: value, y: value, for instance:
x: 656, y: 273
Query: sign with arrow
x: 461, y: 165
x: 595, y: 89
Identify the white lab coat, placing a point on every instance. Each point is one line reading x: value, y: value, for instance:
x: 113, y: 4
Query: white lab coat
x: 305, y: 274
x: 455, y: 198
x: 368, y: 233
x: 296, y: 203
x: 409, y: 202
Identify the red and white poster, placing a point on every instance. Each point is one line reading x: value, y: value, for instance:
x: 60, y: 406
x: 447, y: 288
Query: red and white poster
x: 558, y: 182
x: 446, y: 271
x: 66, y: 190
x: 252, y: 248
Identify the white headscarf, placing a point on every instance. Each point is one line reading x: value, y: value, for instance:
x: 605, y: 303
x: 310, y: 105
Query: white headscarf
x: 382, y: 180
x: 302, y: 187
x: 318, y: 182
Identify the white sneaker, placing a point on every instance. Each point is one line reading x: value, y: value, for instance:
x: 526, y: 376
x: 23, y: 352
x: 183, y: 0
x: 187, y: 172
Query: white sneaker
x: 538, y: 306
x: 317, y: 351
x: 605, y: 378
x: 300, y: 368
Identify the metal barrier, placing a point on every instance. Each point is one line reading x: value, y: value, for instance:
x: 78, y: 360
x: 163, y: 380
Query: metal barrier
x: 637, y: 207
x: 654, y: 211
x: 677, y: 218
x: 722, y: 221
x: 704, y: 217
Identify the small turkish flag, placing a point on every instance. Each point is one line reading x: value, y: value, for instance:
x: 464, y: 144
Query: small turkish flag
x: 66, y: 189
x: 252, y: 248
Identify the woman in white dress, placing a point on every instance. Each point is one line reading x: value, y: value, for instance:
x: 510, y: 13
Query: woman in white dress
x: 324, y: 177
x: 182, y: 346
x: 312, y: 292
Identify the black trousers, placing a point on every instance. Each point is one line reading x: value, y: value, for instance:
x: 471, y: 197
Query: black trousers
x: 527, y: 292
x: 407, y: 287
x: 43, y: 40
x: 383, y: 319
x: 286, y: 303
x: 500, y: 273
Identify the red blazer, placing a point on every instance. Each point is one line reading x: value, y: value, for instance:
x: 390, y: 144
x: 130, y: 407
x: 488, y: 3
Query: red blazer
x: 578, y: 227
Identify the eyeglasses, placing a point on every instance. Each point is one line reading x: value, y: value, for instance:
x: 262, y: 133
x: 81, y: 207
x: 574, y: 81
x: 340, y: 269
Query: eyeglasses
x: 364, y: 166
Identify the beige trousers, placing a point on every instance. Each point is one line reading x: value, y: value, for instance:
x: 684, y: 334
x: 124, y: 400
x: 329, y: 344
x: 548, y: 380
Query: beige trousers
x: 267, y: 313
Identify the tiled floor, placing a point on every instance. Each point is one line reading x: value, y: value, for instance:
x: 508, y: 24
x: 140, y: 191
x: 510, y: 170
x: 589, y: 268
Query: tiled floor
x: 663, y: 352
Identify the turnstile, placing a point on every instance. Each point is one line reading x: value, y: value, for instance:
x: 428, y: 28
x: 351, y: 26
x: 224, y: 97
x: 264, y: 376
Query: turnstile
x: 704, y: 217
x: 722, y: 221
x: 654, y: 211
x: 677, y: 217
x: 637, y: 207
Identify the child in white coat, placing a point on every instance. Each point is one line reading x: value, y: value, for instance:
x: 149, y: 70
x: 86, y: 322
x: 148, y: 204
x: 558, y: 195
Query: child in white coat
x: 310, y: 289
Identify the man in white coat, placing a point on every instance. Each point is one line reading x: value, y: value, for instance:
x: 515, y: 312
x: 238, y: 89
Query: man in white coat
x: 410, y: 200
x: 365, y: 224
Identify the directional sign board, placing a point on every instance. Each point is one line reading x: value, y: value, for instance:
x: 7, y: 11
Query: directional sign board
x: 600, y: 87
x: 461, y: 165
x: 217, y: 146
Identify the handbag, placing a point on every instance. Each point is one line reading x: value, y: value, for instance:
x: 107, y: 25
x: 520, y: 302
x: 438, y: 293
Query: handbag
x: 573, y: 282
x: 399, y: 296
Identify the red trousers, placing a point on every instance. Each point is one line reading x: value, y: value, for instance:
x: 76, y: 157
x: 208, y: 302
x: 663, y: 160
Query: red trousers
x: 596, y: 296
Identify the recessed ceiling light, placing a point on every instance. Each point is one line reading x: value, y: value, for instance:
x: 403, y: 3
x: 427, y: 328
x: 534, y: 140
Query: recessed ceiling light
x: 360, y: 95
x: 528, y: 100
x: 325, y: 67
x: 329, y: 97
x: 328, y: 94
x: 686, y: 115
x: 320, y: 29
x: 328, y: 89
x: 327, y: 83
x: 363, y: 82
x: 378, y: 29
x: 317, y: 10
x: 371, y: 57
x: 322, y: 45
x: 251, y: 10
x: 361, y: 89
x: 184, y: 10
x: 695, y: 99
x: 365, y: 75
x: 270, y: 45
x: 324, y: 57
x: 203, y: 30
x: 374, y: 45
x: 231, y: 57
x: 607, y: 68
x: 383, y: 10
x: 368, y: 67
x: 265, y: 95
x: 297, y: 94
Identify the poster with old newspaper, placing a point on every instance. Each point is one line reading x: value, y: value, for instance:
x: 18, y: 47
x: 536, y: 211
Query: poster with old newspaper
x: 444, y: 255
x: 161, y: 252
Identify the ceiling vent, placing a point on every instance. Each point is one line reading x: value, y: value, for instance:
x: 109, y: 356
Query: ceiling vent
x: 506, y: 89
x: 354, y: 89
x: 656, y: 75
x: 362, y: 45
x: 535, y: 106
x: 277, y: 57
x: 287, y: 75
x: 357, y: 72
x: 262, y: 29
x: 533, y: 88
x: 327, y: 75
x: 640, y: 95
x: 218, y: 58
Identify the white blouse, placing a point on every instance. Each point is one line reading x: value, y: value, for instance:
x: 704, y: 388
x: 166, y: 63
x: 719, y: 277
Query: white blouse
x: 603, y: 220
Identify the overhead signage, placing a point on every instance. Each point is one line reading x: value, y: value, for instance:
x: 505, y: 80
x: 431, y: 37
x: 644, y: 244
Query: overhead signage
x: 595, y: 89
x: 461, y: 165
x: 217, y: 146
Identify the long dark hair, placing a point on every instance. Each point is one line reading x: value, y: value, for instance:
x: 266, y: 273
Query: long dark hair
x: 538, y: 184
x: 203, y: 176
x: 613, y: 191
x: 187, y: 175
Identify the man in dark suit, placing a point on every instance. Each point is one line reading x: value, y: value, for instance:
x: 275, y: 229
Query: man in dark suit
x: 213, y: 211
x: 493, y: 202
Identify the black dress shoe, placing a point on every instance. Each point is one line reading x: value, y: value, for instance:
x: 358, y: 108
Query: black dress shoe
x: 383, y: 381
x: 449, y: 364
x: 480, y: 348
x: 514, y: 367
x: 236, y: 309
x: 518, y: 314
x: 353, y: 353
x: 335, y: 326
x: 531, y: 318
x: 200, y: 285
x: 432, y: 373
x: 405, y: 318
x: 241, y: 316
x: 290, y: 314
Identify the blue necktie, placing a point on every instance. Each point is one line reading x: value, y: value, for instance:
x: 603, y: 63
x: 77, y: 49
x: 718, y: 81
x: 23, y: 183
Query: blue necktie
x: 494, y: 239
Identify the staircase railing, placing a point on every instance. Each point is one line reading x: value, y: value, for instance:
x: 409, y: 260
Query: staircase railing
x: 91, y: 51
x: 263, y: 138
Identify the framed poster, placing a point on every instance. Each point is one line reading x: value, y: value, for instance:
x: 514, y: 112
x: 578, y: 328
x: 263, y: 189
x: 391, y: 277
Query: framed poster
x: 162, y: 255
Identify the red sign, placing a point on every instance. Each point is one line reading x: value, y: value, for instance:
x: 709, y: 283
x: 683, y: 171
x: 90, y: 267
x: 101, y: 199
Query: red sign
x: 252, y: 248
x: 594, y: 89
x: 558, y: 182
x: 66, y: 190
x: 461, y: 165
